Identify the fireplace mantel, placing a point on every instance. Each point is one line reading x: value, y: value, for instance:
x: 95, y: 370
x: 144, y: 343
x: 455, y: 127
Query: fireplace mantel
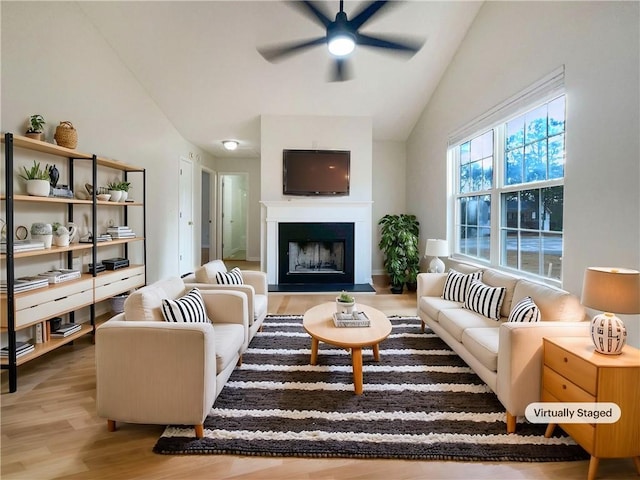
x: 317, y: 210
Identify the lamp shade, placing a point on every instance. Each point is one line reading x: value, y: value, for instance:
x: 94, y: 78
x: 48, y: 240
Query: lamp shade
x: 615, y: 290
x: 436, y: 248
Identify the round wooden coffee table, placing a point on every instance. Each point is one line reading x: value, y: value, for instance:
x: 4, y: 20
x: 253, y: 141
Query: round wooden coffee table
x: 318, y: 322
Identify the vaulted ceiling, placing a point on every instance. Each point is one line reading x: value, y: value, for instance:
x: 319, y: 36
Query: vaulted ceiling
x: 199, y: 63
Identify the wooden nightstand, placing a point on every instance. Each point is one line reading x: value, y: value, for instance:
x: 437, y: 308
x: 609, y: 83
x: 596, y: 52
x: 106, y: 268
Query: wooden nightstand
x: 574, y: 372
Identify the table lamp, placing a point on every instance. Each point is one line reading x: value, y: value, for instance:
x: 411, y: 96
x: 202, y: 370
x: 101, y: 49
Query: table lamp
x: 436, y: 248
x: 611, y: 290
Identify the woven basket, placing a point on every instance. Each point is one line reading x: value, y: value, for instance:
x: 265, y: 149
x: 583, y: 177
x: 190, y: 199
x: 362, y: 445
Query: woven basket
x: 117, y: 303
x: 66, y: 135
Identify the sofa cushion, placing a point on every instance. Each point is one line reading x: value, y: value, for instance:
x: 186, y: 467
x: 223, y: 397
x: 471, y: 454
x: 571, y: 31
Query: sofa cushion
x: 189, y: 308
x: 456, y: 285
x: 494, y: 278
x: 484, y: 299
x: 146, y: 302
x: 229, y: 338
x: 234, y: 277
x: 207, y: 272
x: 525, y: 311
x: 554, y: 304
x: 432, y: 305
x: 456, y: 320
x: 482, y: 343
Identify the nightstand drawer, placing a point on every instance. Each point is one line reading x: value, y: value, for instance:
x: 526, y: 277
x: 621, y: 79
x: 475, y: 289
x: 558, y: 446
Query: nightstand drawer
x: 572, y: 367
x: 562, y: 388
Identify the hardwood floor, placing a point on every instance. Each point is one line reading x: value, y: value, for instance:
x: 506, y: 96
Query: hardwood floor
x: 50, y: 430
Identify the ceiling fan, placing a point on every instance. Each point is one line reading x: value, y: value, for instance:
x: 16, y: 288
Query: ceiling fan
x: 342, y: 36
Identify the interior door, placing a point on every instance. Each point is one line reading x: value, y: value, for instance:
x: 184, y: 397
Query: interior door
x: 207, y: 243
x: 233, y: 207
x: 185, y: 221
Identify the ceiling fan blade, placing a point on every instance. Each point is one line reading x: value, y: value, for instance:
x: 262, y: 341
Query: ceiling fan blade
x: 278, y: 52
x: 366, y: 14
x: 311, y: 11
x: 399, y: 44
x: 341, y: 70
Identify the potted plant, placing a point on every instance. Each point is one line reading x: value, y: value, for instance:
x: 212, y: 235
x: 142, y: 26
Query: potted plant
x: 114, y: 191
x: 37, y: 180
x: 42, y: 232
x: 35, y: 130
x: 60, y: 235
x: 399, y: 243
x: 345, y: 303
x: 124, y: 189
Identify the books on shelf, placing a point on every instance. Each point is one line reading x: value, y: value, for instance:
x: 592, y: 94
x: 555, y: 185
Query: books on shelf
x: 121, y: 231
x: 61, y: 275
x: 355, y: 319
x: 22, y: 246
x: 22, y: 348
x: 65, y: 330
x: 24, y: 284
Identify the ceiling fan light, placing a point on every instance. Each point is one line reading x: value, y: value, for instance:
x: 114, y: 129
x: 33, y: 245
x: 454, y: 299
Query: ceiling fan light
x: 341, y: 45
x: 230, y: 144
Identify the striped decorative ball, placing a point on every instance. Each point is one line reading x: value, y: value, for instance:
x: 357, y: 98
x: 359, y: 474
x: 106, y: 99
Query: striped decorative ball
x: 608, y: 334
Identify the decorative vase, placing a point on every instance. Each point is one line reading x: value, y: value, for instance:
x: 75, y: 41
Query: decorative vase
x: 608, y: 334
x: 46, y: 238
x: 115, y: 195
x: 344, y: 307
x: 123, y: 195
x: 54, y: 175
x: 38, y: 188
x: 61, y: 240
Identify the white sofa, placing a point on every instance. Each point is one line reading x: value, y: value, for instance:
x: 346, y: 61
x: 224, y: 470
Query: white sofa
x: 156, y: 372
x: 254, y: 286
x: 506, y: 355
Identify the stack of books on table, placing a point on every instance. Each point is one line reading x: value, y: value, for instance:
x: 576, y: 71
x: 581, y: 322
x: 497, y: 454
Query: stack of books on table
x: 24, y: 284
x: 65, y: 330
x: 22, y: 348
x: 59, y: 276
x: 121, y: 231
x: 355, y: 319
x: 22, y: 246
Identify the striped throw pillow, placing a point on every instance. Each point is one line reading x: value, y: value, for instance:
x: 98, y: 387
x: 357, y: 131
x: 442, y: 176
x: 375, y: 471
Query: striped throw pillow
x: 232, y: 277
x: 485, y: 300
x: 456, y: 285
x: 189, y: 308
x: 525, y: 311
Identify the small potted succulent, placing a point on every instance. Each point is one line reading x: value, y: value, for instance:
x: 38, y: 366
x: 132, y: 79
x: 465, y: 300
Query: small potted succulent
x: 42, y: 232
x: 60, y: 235
x: 114, y: 191
x: 345, y: 303
x: 35, y: 129
x: 37, y: 180
x: 124, y: 189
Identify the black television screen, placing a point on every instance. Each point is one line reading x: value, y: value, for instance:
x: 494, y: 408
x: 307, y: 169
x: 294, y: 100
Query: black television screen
x: 316, y: 172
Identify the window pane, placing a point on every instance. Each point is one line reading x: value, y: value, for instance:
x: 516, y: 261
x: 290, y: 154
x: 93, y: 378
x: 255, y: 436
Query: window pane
x: 465, y: 180
x: 476, y: 176
x: 530, y: 252
x: 552, y: 251
x: 487, y: 173
x: 510, y: 210
x: 556, y: 156
x: 484, y: 243
x: 510, y: 248
x: 556, y: 116
x: 463, y: 210
x: 515, y: 133
x: 536, y: 124
x: 476, y: 149
x: 529, y: 209
x: 513, y: 172
x: 535, y: 161
x: 487, y: 144
x: 552, y: 203
x: 464, y: 152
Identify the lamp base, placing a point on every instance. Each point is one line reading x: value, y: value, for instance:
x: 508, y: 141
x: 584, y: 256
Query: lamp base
x: 436, y: 265
x: 608, y: 334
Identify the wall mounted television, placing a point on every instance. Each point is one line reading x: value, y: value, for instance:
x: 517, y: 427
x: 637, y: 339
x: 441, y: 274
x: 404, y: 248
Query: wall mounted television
x: 316, y: 172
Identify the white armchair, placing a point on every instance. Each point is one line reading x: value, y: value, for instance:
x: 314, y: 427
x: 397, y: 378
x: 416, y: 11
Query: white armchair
x: 156, y: 372
x: 254, y: 286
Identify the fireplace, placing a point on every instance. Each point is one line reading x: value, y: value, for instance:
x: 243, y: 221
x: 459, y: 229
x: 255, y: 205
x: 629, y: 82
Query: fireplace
x: 315, y: 253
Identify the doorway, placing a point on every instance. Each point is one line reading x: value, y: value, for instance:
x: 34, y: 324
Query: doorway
x: 207, y: 232
x: 233, y: 188
x: 185, y: 220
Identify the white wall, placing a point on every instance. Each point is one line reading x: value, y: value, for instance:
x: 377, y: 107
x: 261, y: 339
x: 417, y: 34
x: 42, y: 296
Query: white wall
x: 511, y: 45
x: 389, y: 187
x: 56, y: 64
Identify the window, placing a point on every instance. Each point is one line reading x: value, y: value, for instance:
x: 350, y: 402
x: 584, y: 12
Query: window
x: 515, y: 171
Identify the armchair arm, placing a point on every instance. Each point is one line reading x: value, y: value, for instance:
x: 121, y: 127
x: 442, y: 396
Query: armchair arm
x: 520, y: 359
x: 247, y: 290
x: 257, y: 279
x: 155, y: 372
x: 228, y: 306
x: 430, y: 284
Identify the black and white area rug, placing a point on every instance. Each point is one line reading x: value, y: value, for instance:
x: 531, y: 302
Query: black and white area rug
x: 420, y: 401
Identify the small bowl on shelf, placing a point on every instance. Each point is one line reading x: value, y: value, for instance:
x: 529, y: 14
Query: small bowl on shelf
x: 104, y: 197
